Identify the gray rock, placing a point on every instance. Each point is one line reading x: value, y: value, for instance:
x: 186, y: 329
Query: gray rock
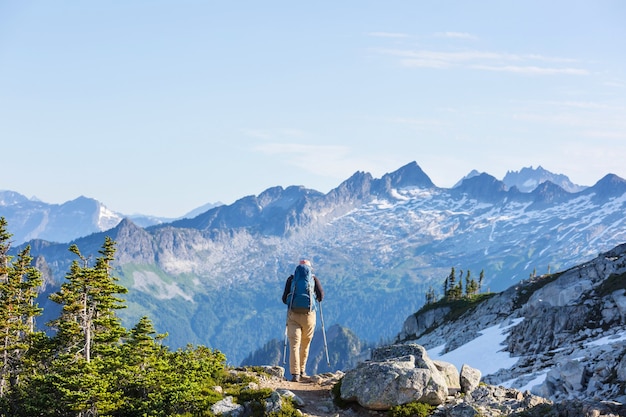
x: 420, y: 355
x: 461, y: 410
x: 227, y: 408
x: 621, y: 369
x: 451, y: 375
x: 274, y: 403
x: 277, y: 371
x: 289, y: 394
x: 414, y: 325
x: 469, y: 378
x: 383, y: 383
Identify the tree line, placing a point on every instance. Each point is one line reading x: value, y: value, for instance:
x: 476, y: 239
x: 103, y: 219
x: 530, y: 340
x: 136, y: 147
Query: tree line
x: 88, y: 364
x: 453, y: 288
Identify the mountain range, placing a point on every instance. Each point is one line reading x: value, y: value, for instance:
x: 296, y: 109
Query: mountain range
x: 378, y: 246
x: 31, y: 218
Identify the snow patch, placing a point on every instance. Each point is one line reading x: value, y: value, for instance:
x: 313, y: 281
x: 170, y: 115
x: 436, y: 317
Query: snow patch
x: 608, y: 340
x: 482, y: 353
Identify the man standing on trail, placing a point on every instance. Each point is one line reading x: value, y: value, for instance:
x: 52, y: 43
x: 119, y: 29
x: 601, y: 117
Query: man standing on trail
x: 301, y: 290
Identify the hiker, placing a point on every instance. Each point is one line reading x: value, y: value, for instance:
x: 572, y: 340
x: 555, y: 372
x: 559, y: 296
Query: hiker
x: 301, y: 290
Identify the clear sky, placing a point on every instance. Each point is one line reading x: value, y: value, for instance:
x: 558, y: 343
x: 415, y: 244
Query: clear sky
x: 159, y: 107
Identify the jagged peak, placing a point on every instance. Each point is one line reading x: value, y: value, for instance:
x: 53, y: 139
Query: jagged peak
x: 126, y: 223
x: 409, y: 175
x: 482, y: 186
x: 357, y: 184
x: 528, y: 178
x: 607, y: 186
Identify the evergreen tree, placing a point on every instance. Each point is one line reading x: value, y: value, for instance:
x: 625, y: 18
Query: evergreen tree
x: 157, y: 381
x: 147, y: 370
x: 18, y: 290
x: 88, y: 321
x: 451, y: 294
x: 81, y: 378
x: 92, y: 365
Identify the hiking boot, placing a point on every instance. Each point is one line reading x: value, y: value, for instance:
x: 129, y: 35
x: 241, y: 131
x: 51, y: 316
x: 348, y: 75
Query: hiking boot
x: 295, y: 378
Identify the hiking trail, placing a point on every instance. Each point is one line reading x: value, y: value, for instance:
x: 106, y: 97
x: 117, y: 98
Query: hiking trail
x: 316, y: 395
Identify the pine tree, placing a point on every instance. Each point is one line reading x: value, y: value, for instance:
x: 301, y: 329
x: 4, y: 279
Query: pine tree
x: 451, y: 294
x: 88, y: 321
x: 18, y: 290
x: 87, y: 344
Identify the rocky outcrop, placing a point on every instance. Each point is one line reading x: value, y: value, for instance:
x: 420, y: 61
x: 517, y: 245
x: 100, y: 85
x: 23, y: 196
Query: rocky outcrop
x: 311, y: 399
x: 567, y: 331
x: 399, y: 374
x: 418, y: 324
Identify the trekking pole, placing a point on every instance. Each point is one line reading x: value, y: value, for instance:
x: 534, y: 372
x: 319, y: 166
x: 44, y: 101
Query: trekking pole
x: 285, y: 346
x: 324, y: 334
x: 287, y: 327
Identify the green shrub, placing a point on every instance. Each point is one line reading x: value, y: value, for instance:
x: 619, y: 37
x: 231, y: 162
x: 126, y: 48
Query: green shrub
x: 253, y: 395
x: 413, y: 409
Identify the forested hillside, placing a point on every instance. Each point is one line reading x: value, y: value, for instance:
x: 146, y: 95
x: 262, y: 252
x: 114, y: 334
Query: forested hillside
x: 91, y: 365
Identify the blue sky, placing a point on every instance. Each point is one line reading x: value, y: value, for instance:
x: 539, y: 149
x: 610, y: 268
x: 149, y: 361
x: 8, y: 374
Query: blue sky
x: 158, y: 107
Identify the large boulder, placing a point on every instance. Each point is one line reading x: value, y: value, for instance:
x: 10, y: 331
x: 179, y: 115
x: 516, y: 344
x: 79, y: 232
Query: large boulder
x: 451, y: 375
x: 470, y: 378
x: 395, y: 375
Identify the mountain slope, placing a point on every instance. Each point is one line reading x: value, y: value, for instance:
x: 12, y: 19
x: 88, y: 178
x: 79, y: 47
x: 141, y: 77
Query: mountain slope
x: 377, y: 245
x: 560, y: 335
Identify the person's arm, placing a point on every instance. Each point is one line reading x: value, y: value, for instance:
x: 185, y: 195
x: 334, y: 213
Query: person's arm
x: 287, y: 289
x: 319, y: 291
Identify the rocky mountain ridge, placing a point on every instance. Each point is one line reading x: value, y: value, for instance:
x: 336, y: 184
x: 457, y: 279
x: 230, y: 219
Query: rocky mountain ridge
x: 32, y: 218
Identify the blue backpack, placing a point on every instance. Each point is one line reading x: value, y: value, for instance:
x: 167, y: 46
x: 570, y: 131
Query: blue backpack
x: 302, y: 295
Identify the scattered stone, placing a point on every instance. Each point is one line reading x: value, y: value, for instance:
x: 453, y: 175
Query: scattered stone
x: 289, y: 394
x: 227, y: 408
x: 274, y: 403
x: 277, y: 371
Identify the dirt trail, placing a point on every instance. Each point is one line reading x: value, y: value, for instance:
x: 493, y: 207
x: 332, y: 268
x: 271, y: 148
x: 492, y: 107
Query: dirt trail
x: 315, y: 394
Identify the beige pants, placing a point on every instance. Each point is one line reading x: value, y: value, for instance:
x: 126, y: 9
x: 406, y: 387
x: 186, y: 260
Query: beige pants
x: 300, y: 329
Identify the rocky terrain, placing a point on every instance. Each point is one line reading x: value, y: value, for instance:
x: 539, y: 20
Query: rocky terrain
x: 317, y: 396
x: 565, y: 333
